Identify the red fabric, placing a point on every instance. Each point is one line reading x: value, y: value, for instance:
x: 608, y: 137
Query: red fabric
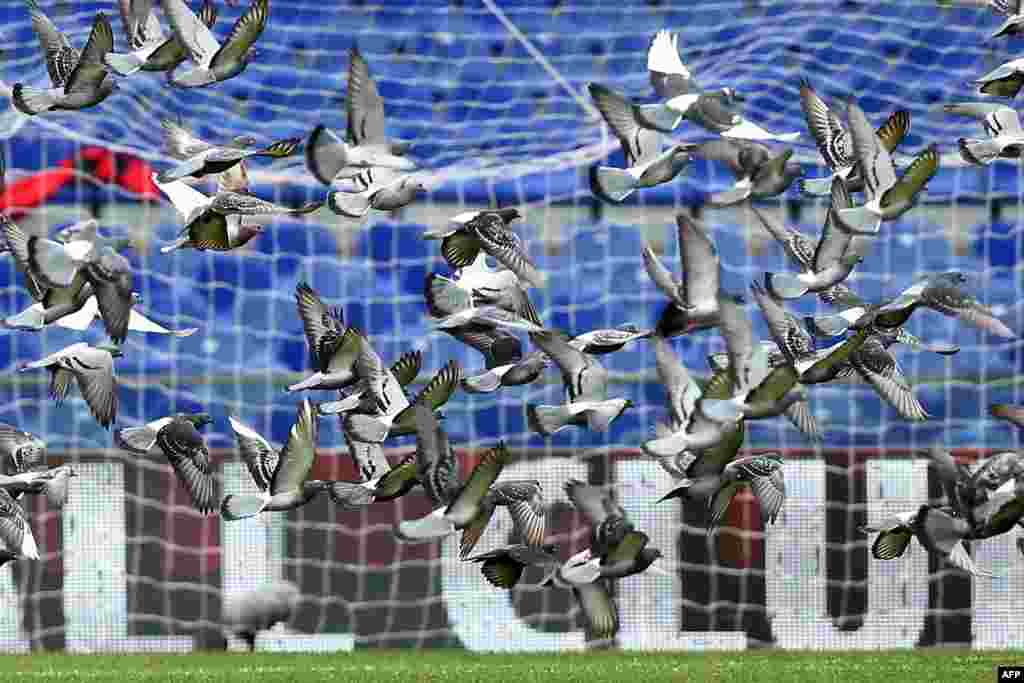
x: 130, y: 173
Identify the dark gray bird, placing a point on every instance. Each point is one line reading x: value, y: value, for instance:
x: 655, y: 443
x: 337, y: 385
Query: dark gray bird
x: 80, y: 80
x: 486, y: 231
x: 1013, y: 25
x: 20, y: 451
x: 831, y: 245
x: 144, y: 34
x: 169, y: 54
x: 942, y: 292
x: 886, y: 197
x: 53, y: 483
x: 761, y: 473
x: 334, y: 348
x: 15, y: 531
x: 1002, y: 125
x: 330, y: 158
x: 684, y: 98
x: 525, y: 503
x: 617, y: 549
x: 93, y: 369
x: 214, y: 61
x: 215, y: 223
x: 198, y: 158
x: 179, y: 439
x: 526, y: 370
x: 602, y: 615
x: 646, y: 164
x: 247, y: 614
x: 379, y: 188
x: 394, y: 483
x: 586, y: 385
x: 759, y: 172
x: 456, y: 504
x: 694, y: 298
x: 281, y: 476
x: 836, y: 145
x: 504, y: 566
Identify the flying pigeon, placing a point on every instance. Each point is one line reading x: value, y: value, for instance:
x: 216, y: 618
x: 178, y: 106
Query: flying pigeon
x: 646, y: 164
x: 53, y: 483
x: 198, y: 158
x: 761, y: 473
x: 834, y: 272
x: 684, y: 98
x: 586, y: 384
x: 1003, y: 81
x: 20, y: 451
x: 328, y: 157
x: 886, y: 197
x: 504, y: 566
x: 280, y: 476
x: 214, y: 61
x: 144, y: 34
x: 942, y: 292
x: 259, y: 609
x: 759, y: 172
x: 394, y: 483
x: 168, y: 55
x: 80, y: 80
x: 598, y: 607
x: 1002, y: 124
x: 526, y: 370
x: 812, y: 257
x: 456, y: 504
x: 1013, y: 25
x: 616, y: 550
x: 525, y: 503
x: 333, y: 347
x: 93, y: 369
x: 836, y: 145
x: 379, y: 188
x: 609, y: 340
x: 459, y: 305
x: 486, y: 231
x: 693, y: 300
x: 78, y: 312
x: 216, y: 222
x: 15, y: 531
x: 939, y: 533
x: 179, y: 439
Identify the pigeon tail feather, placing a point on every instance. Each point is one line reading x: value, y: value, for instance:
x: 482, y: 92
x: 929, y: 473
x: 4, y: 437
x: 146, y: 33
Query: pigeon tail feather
x: 123, y: 64
x: 32, y: 101
x: 615, y: 183
x: 32, y: 318
x: 430, y: 528
x: 234, y: 508
x: 136, y: 439
x: 784, y: 285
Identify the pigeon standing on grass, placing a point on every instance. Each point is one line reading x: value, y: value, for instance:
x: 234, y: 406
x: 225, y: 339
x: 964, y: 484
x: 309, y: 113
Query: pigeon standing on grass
x: 93, y: 368
x: 179, y: 439
x: 213, y: 61
x: 80, y: 80
x: 646, y: 164
x: 247, y: 614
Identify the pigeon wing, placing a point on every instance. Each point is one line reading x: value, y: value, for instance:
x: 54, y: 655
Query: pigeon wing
x: 90, y: 70
x: 298, y: 454
x: 365, y: 106
x: 243, y: 34
x: 260, y: 458
x: 183, y: 445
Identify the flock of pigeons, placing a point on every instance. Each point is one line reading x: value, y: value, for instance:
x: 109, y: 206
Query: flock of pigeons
x: 78, y: 275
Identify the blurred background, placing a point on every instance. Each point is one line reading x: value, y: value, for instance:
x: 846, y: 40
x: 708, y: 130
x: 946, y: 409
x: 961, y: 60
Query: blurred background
x: 492, y: 97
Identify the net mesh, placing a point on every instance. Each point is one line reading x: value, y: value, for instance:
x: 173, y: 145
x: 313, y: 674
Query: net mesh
x: 130, y: 565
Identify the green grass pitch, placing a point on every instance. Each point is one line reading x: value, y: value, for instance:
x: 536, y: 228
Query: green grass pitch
x: 366, y: 666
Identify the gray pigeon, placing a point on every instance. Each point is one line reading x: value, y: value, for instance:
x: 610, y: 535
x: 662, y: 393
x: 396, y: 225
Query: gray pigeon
x: 15, y: 531
x: 179, y: 439
x: 760, y: 174
x: 939, y: 533
x: 213, y: 61
x: 168, y: 55
x: 379, y: 188
x: 504, y: 566
x: 53, y: 483
x: 684, y: 98
x: 646, y: 164
x: 525, y: 503
x: 333, y: 347
x: 836, y: 145
x: 693, y: 300
x: 1005, y: 80
x: 586, y: 384
x: 80, y: 80
x: 886, y: 197
x: 599, y: 609
x: 1013, y: 25
x: 257, y: 610
x: 526, y: 370
x: 144, y: 35
x: 330, y: 158
x: 486, y: 231
x: 1001, y: 124
x: 198, y: 158
x: 608, y: 340
x: 20, y: 451
x: 281, y: 476
x: 93, y: 369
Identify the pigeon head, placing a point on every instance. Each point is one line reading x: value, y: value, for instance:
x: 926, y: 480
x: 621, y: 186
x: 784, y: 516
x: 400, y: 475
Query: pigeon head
x: 732, y: 96
x: 136, y: 298
x: 246, y: 232
x: 508, y: 215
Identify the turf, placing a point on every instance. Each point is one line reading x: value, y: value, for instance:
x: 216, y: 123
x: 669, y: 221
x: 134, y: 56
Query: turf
x: 367, y: 666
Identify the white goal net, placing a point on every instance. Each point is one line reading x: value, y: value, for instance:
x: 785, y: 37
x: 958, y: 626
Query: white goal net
x: 492, y: 96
